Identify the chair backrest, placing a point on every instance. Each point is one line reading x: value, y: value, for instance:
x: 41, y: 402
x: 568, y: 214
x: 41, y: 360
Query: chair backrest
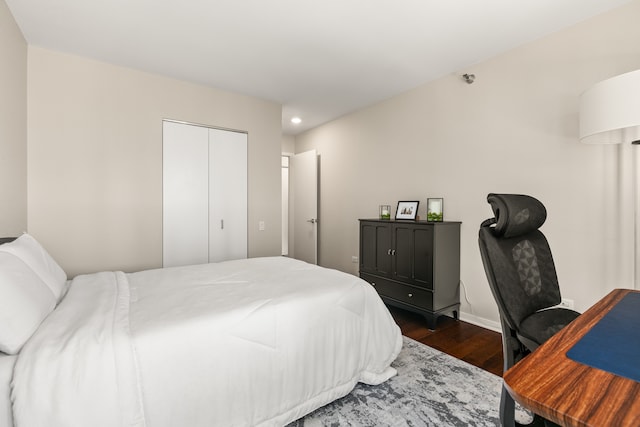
x: 517, y: 258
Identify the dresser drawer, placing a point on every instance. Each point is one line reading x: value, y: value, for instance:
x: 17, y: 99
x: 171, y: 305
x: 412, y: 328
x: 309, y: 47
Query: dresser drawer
x: 407, y: 294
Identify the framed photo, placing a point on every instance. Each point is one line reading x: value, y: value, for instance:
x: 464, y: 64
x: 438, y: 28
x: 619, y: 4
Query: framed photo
x: 435, y: 211
x: 407, y: 210
x: 385, y: 212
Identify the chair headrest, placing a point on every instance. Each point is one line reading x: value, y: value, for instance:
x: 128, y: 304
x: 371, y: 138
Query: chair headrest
x: 516, y: 214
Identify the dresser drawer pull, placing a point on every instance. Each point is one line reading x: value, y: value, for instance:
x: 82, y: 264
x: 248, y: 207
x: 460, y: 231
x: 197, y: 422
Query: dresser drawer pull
x: 410, y: 295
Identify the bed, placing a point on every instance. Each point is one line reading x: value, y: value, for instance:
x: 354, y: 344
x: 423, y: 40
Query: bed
x: 252, y: 342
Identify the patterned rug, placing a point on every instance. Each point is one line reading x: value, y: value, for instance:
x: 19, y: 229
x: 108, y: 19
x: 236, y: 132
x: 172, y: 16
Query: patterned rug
x: 431, y: 389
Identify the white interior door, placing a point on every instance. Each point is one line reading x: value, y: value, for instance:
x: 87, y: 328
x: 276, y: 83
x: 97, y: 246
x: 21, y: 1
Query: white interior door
x: 303, y: 173
x: 227, y: 195
x: 185, y: 209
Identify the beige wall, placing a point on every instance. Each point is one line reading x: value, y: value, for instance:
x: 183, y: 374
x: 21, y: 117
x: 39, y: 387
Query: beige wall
x: 513, y: 130
x: 13, y: 126
x: 288, y: 144
x: 95, y: 159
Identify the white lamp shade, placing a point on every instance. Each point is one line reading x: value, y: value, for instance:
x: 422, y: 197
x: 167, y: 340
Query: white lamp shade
x: 610, y: 110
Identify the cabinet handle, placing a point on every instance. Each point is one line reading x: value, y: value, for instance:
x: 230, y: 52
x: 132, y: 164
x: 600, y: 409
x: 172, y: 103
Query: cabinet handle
x: 393, y: 252
x: 222, y: 224
x: 410, y: 295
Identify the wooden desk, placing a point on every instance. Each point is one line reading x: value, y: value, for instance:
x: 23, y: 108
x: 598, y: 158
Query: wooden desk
x: 570, y: 393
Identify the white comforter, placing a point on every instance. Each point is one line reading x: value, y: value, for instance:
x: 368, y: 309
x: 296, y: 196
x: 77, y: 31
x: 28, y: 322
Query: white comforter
x: 260, y: 341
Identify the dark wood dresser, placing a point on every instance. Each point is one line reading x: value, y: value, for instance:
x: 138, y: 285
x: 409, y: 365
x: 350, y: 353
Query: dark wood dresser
x: 414, y: 265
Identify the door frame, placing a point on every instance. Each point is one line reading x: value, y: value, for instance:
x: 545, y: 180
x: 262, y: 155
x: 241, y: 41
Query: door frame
x: 290, y: 223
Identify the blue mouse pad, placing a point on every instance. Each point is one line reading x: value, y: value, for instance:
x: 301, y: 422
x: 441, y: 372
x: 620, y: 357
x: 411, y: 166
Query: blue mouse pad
x: 613, y: 344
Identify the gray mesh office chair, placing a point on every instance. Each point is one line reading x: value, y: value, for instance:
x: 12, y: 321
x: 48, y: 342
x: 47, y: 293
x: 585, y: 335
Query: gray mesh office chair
x: 522, y: 276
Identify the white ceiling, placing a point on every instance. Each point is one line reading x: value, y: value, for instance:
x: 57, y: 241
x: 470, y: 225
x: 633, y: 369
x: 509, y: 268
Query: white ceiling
x: 319, y: 59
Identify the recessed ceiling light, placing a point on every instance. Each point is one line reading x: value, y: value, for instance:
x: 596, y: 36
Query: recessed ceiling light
x: 296, y: 120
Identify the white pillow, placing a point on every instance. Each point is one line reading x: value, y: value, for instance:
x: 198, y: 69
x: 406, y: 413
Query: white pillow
x: 25, y: 300
x: 38, y: 259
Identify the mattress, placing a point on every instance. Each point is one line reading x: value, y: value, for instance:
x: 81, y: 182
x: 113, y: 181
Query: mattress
x: 255, y: 342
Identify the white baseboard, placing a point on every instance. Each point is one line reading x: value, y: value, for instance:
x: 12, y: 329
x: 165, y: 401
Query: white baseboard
x: 480, y: 321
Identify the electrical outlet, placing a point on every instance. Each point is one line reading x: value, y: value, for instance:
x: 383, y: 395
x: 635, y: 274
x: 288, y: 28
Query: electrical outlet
x: 354, y: 259
x: 566, y: 303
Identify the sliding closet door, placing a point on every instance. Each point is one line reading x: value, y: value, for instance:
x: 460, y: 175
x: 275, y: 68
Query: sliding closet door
x: 185, y: 194
x: 227, y: 195
x: 204, y: 194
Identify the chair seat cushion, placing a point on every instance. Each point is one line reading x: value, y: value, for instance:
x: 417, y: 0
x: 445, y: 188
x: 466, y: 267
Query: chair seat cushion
x: 543, y: 324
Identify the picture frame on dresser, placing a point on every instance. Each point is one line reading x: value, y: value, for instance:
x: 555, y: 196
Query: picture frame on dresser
x: 407, y: 210
x: 435, y: 209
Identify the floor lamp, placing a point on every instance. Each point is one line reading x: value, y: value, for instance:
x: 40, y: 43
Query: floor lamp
x: 610, y: 114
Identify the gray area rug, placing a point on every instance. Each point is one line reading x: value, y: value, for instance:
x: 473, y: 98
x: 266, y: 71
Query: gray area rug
x: 431, y: 389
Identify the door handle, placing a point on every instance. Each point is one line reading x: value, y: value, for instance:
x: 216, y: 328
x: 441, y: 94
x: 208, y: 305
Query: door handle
x: 312, y: 220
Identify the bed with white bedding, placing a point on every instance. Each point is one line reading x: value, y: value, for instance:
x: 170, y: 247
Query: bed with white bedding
x: 254, y: 342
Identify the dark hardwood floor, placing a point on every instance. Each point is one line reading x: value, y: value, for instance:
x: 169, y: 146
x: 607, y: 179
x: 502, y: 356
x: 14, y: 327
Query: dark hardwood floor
x: 475, y: 345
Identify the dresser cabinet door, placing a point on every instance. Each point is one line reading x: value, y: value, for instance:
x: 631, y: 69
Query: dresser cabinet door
x: 403, y: 252
x: 413, y: 254
x: 375, y: 248
x: 423, y: 257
